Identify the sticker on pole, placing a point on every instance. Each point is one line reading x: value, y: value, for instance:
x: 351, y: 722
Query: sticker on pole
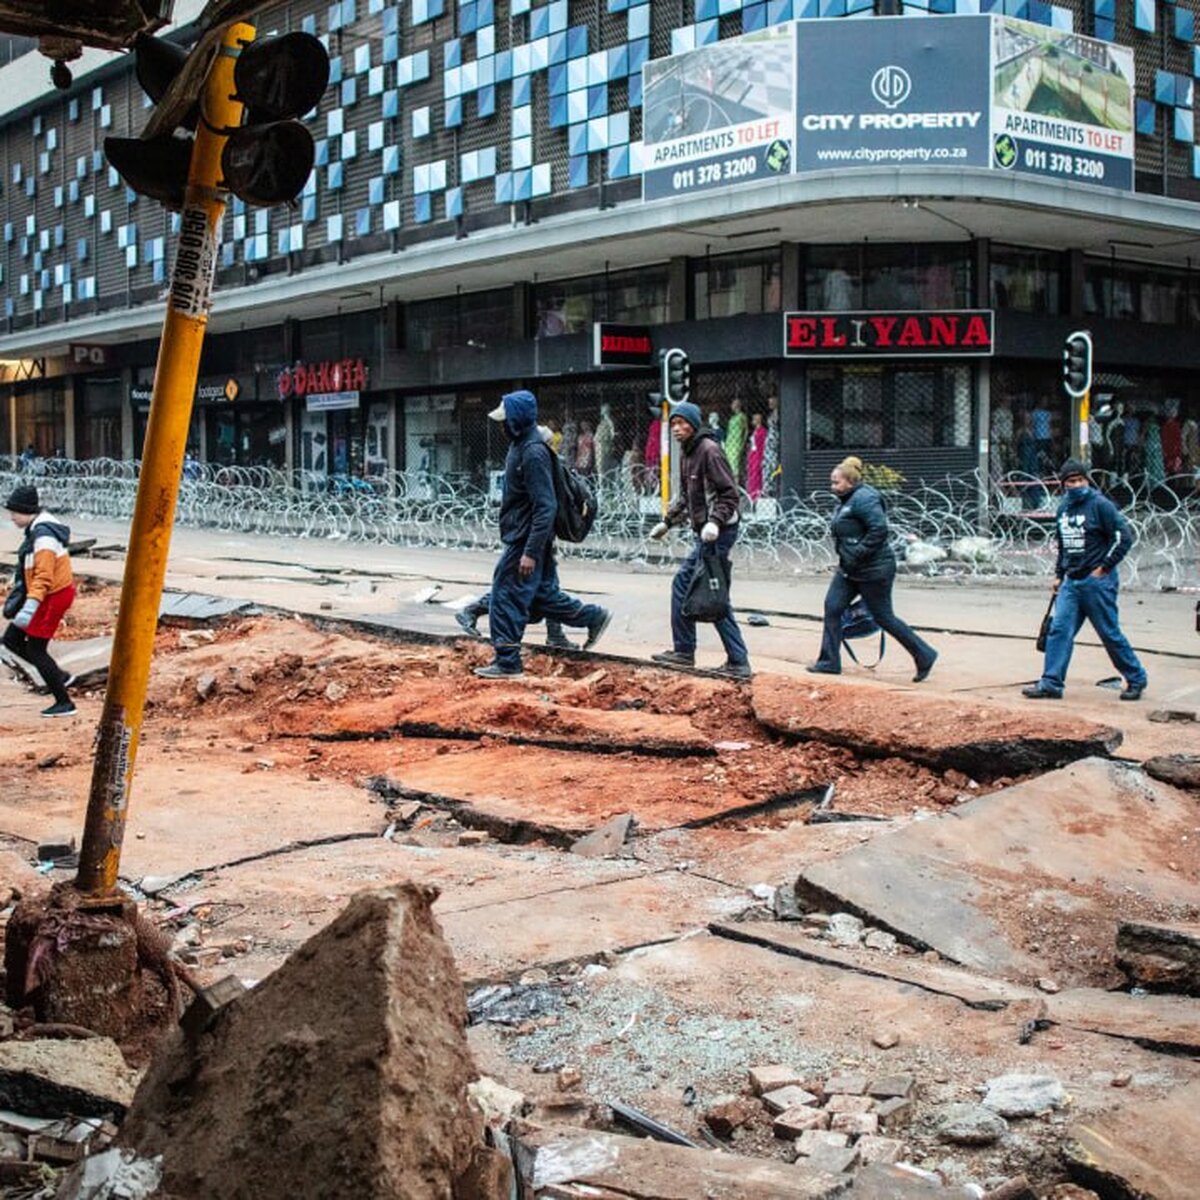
x: 195, y: 263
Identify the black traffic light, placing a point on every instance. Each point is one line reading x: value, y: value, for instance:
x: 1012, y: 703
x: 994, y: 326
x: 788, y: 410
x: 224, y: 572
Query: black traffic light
x: 267, y: 159
x: 1077, y: 363
x: 676, y: 375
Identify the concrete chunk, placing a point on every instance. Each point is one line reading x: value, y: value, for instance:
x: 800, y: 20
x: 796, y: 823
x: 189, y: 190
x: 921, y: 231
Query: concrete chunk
x: 1166, y: 957
x: 771, y: 1078
x: 348, y: 1063
x: 48, y: 1077
x: 787, y: 1097
x: 796, y: 1121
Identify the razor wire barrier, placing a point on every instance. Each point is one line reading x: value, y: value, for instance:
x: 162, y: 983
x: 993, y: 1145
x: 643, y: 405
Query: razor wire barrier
x: 939, y: 528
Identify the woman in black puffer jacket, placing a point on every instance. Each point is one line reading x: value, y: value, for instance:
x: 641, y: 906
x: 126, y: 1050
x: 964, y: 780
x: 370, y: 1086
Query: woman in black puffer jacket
x: 866, y: 568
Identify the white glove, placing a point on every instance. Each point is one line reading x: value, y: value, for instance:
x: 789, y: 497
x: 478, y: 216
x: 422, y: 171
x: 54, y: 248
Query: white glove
x: 710, y: 532
x: 22, y: 619
x: 659, y: 531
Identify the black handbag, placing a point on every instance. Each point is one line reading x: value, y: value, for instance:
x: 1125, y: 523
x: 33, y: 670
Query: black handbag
x: 857, y: 622
x: 707, y: 597
x: 1047, y: 621
x: 15, y: 600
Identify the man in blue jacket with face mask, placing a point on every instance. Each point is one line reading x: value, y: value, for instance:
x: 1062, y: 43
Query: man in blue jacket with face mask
x: 526, y: 577
x: 1093, y: 537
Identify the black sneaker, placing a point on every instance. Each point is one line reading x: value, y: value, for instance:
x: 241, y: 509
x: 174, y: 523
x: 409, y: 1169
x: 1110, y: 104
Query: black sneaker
x: 596, y: 630
x: 735, y: 670
x: 1133, y: 691
x: 466, y: 619
x: 820, y: 669
x: 673, y: 658
x: 60, y: 710
x: 1037, y: 692
x: 556, y: 638
x: 496, y: 671
x: 923, y: 671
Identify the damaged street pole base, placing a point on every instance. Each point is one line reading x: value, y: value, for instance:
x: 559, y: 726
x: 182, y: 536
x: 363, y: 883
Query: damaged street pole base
x: 93, y: 963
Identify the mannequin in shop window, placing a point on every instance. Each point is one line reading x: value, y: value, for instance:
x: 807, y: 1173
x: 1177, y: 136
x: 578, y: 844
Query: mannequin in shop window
x: 1029, y: 459
x: 570, y: 440
x: 585, y: 449
x: 755, y: 455
x: 736, y: 437
x: 714, y: 423
x: 605, y: 436
x: 1132, y: 429
x: 837, y: 291
x: 1002, y: 436
x: 771, y: 450
x: 1172, y: 438
x: 1152, y: 452
x: 652, y: 452
x: 1114, y: 442
x: 1189, y: 435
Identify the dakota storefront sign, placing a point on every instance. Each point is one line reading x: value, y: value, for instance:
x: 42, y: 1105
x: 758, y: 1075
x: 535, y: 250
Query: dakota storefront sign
x: 967, y: 332
x: 322, y: 378
x: 955, y: 91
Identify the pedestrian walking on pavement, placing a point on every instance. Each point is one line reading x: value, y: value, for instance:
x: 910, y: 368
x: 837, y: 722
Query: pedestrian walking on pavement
x: 525, y: 582
x: 1093, y: 537
x: 43, y: 589
x: 468, y: 618
x: 708, y: 501
x: 866, y: 568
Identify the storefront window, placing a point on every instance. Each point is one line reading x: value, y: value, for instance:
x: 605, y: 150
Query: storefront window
x: 877, y: 276
x: 42, y: 422
x: 894, y: 407
x: 250, y: 435
x: 732, y: 284
x: 98, y: 405
x: 1026, y: 280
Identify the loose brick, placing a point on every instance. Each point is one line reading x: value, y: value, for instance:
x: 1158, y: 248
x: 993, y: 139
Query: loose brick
x: 894, y: 1113
x: 833, y: 1161
x: 856, y: 1123
x: 784, y: 1098
x: 888, y: 1086
x: 812, y: 1140
x: 850, y: 1104
x: 795, y: 1121
x: 772, y: 1078
x: 874, y: 1149
x: 846, y: 1085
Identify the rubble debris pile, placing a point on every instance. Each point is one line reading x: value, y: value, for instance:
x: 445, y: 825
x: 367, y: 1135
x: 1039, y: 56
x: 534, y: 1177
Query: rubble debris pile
x: 343, y: 1074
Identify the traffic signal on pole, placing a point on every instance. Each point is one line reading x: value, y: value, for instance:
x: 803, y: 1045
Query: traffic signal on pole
x: 1077, y: 363
x: 267, y: 159
x: 676, y: 375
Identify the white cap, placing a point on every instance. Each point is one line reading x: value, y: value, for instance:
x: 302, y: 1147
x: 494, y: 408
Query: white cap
x: 497, y: 413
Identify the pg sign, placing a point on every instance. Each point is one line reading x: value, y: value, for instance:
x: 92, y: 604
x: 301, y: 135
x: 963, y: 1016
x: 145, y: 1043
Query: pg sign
x: 85, y: 355
x: 961, y: 333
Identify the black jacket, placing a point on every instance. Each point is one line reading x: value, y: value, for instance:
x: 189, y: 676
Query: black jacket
x: 709, y: 491
x: 860, y: 532
x: 529, y: 506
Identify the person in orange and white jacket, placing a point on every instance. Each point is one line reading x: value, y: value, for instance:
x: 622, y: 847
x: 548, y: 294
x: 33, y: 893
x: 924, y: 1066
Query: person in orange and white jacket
x: 45, y: 589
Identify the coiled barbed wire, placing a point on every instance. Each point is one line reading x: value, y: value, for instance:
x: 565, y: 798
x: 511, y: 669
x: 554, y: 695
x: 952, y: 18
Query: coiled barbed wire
x: 936, y: 526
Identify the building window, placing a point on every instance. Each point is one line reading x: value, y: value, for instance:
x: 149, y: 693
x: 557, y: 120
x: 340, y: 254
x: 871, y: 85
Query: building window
x: 889, y: 407
x: 878, y: 276
x: 1128, y: 292
x: 1026, y: 280
x: 632, y: 297
x: 476, y: 319
x: 733, y: 284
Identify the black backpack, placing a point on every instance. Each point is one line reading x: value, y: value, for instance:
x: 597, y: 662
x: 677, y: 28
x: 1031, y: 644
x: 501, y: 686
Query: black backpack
x: 576, y: 502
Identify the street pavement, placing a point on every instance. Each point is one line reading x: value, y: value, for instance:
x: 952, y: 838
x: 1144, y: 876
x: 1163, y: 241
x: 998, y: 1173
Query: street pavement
x: 983, y: 628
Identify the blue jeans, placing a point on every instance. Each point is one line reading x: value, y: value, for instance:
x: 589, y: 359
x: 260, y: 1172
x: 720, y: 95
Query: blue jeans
x: 515, y: 601
x: 683, y: 629
x: 1096, y: 600
x: 877, y: 596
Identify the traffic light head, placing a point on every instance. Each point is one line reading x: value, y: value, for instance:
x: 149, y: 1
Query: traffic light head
x: 1077, y: 363
x: 676, y: 375
x: 267, y: 159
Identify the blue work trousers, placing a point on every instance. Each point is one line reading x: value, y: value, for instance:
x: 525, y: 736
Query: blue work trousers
x: 877, y: 596
x: 1093, y: 598
x: 683, y: 629
x: 516, y: 601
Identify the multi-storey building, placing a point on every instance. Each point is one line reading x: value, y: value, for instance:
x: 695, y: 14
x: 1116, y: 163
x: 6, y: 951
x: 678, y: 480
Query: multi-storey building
x: 492, y: 179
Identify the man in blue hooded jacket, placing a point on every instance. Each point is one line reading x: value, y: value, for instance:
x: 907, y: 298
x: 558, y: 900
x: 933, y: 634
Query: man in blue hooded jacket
x: 1093, y: 537
x: 525, y: 581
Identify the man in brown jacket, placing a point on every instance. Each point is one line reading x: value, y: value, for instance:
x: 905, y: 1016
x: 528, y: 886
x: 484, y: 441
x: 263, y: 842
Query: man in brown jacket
x: 708, y: 500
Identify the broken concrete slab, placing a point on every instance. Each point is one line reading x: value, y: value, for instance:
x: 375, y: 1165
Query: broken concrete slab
x: 1022, y: 1095
x: 1163, y: 1022
x: 348, y: 1063
x: 1163, y: 957
x: 608, y: 841
x: 194, y: 606
x: 985, y: 741
x: 51, y: 1077
x: 1090, y: 840
x: 605, y: 1166
x: 1150, y: 1149
x: 881, y: 1181
x: 1180, y: 770
x: 86, y: 658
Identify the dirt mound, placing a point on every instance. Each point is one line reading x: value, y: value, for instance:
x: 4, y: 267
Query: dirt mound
x: 344, y: 1074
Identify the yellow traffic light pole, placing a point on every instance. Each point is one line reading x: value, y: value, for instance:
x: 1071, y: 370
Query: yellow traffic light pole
x: 158, y: 485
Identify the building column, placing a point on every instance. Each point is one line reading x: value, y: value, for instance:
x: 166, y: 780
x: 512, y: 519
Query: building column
x: 983, y: 428
x: 793, y: 421
x: 790, y: 275
x: 681, y: 304
x: 69, y: 417
x: 12, y: 424
x: 127, y: 415
x: 289, y: 442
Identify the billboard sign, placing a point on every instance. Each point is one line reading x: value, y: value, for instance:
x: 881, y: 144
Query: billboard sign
x: 621, y: 345
x: 1062, y: 104
x: 719, y: 116
x: 892, y: 92
x: 961, y: 333
x: 822, y: 95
